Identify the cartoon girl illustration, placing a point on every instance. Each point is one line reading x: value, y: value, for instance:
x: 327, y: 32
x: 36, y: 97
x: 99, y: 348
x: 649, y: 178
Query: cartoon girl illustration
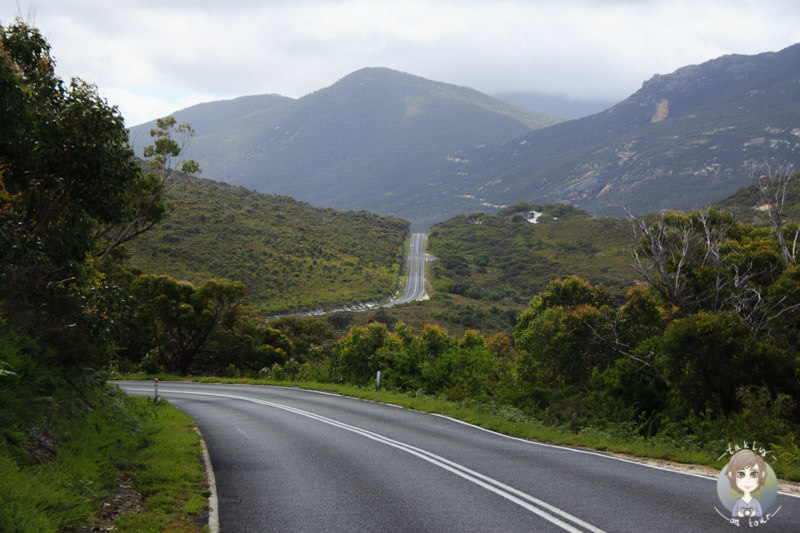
x: 746, y: 473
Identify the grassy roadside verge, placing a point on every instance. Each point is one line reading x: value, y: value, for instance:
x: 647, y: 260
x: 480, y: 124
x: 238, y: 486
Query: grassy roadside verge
x: 402, y: 278
x: 73, y: 479
x: 168, y: 472
x: 509, y: 421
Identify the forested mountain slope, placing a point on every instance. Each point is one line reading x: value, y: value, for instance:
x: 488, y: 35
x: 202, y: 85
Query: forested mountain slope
x: 373, y: 140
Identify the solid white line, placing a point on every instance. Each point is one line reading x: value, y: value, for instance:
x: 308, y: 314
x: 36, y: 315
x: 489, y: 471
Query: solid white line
x: 213, y: 502
x: 533, y: 504
x: 589, y: 452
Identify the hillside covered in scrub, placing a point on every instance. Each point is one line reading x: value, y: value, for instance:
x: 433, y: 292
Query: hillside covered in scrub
x: 514, y: 254
x: 289, y: 254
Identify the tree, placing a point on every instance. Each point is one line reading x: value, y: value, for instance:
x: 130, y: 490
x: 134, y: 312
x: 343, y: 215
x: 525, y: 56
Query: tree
x: 706, y: 261
x: 681, y: 257
x: 66, y: 165
x: 784, y: 295
x: 304, y: 333
x: 707, y: 358
x: 146, y: 196
x: 358, y: 355
x: 569, y: 293
x: 632, y: 330
x: 773, y: 189
x: 434, y: 341
x: 559, y: 336
x: 66, y: 168
x: 181, y: 318
x: 249, y: 345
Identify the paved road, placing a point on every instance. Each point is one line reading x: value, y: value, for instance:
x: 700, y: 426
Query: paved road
x: 293, y: 460
x: 415, y: 285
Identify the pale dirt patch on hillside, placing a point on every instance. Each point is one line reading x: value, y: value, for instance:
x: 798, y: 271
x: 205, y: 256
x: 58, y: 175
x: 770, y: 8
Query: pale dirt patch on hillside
x: 662, y: 111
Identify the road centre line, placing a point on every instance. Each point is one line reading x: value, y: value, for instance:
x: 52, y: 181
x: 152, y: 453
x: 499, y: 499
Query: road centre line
x: 522, y: 499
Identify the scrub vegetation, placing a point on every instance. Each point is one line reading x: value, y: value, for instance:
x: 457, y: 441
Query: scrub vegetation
x: 505, y: 257
x: 290, y: 255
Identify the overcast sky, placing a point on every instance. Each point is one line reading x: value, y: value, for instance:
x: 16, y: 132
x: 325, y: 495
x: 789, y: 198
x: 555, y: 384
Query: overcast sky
x: 153, y: 57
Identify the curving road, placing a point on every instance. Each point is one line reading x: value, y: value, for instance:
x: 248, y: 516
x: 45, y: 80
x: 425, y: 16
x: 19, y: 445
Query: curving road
x: 415, y: 284
x: 295, y: 460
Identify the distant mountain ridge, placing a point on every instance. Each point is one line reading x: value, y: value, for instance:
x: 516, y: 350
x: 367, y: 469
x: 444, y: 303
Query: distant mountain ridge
x: 682, y: 141
x: 366, y: 142
x: 397, y: 144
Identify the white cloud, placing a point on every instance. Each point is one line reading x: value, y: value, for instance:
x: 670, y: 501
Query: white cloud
x: 152, y: 57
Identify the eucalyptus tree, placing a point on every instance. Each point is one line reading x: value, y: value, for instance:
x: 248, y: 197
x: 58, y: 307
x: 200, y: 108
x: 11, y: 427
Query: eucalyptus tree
x: 65, y: 160
x: 773, y: 197
x: 146, y: 195
x: 181, y: 318
x: 71, y: 191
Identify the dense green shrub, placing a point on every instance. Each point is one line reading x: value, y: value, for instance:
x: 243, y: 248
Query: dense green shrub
x: 708, y: 358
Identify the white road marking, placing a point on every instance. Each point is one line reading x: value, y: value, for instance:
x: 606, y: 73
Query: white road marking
x: 530, y: 503
x: 590, y: 452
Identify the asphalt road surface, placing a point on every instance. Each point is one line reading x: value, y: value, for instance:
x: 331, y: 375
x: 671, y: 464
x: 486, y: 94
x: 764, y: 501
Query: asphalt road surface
x: 415, y: 285
x: 294, y: 460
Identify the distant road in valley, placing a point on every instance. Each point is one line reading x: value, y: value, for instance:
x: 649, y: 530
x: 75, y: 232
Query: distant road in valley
x: 415, y: 285
x: 413, y: 291
x: 296, y: 460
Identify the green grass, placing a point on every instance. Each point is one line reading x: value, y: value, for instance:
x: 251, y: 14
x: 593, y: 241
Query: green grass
x: 169, y: 474
x: 512, y: 422
x: 121, y: 438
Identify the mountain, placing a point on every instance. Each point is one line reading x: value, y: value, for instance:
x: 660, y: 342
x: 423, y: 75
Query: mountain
x: 682, y: 141
x: 370, y: 141
x: 397, y: 144
x: 291, y: 255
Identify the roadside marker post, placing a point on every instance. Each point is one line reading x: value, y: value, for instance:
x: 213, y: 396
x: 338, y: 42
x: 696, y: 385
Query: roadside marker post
x: 378, y: 381
x: 155, y: 390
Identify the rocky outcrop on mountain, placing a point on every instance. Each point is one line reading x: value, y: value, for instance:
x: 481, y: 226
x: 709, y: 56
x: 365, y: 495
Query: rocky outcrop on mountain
x: 683, y: 140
